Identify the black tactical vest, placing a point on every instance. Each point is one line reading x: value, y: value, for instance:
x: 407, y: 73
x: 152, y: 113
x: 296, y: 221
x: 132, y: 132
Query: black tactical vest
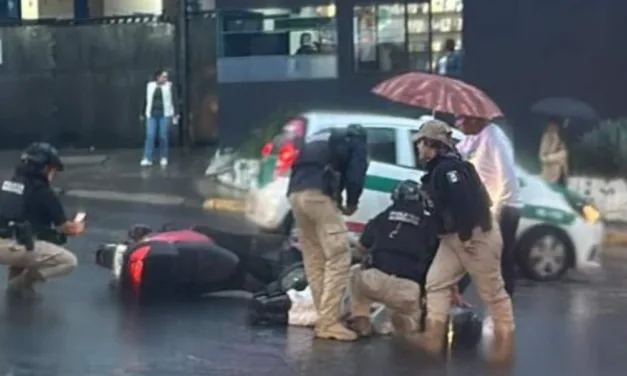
x: 405, y: 238
x: 12, y: 196
x: 321, y: 163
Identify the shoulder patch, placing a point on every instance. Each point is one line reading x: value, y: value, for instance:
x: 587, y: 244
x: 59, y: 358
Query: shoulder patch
x: 452, y: 176
x: 13, y: 187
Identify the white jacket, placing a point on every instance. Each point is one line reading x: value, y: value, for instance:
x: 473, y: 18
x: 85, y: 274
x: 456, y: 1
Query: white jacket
x: 492, y: 154
x: 166, y: 92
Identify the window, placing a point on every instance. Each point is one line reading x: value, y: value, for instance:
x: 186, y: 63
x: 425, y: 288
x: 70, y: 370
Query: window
x: 276, y: 44
x: 394, y: 37
x: 382, y: 145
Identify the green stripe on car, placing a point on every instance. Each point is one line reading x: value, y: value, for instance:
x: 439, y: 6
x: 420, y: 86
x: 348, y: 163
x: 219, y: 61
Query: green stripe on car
x: 541, y: 213
x: 385, y: 185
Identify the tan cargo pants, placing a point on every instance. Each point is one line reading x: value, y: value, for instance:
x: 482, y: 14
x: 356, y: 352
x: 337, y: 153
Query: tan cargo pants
x: 400, y: 296
x: 481, y: 258
x: 326, y: 255
x: 47, y: 259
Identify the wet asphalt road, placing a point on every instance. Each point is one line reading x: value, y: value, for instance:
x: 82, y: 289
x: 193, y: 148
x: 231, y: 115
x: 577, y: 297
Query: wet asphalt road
x: 79, y: 328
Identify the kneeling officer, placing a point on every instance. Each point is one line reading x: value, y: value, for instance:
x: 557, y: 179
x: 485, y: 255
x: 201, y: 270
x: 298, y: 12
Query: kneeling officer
x: 398, y: 246
x: 30, y: 210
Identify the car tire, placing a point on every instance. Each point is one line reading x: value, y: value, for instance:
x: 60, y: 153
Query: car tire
x: 544, y: 253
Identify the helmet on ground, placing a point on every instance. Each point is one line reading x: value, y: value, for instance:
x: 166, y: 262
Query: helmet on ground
x: 407, y: 190
x: 42, y: 154
x: 465, y: 327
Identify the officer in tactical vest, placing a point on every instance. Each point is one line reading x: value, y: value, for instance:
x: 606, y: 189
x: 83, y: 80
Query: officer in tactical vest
x: 470, y: 240
x: 30, y: 211
x: 329, y: 162
x: 397, y: 246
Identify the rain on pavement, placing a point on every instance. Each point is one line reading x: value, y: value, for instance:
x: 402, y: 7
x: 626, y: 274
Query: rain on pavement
x: 79, y: 328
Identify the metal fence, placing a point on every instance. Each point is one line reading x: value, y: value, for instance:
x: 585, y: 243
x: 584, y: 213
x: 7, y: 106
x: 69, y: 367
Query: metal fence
x: 79, y: 84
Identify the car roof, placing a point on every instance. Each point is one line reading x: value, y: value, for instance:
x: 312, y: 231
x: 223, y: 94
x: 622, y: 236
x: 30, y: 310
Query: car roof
x: 345, y: 118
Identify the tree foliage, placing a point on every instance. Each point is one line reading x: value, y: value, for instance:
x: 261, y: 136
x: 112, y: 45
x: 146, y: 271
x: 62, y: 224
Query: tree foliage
x: 602, y: 152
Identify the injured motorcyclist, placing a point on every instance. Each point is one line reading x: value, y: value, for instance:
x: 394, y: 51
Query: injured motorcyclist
x: 397, y: 246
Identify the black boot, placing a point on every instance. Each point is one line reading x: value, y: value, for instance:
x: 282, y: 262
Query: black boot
x: 270, y: 310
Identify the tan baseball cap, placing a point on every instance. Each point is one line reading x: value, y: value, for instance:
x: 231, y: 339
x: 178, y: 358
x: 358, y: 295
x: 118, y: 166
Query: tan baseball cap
x: 435, y: 130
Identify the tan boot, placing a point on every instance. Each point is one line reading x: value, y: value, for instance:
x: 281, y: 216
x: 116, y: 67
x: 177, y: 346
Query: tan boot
x: 501, y: 351
x: 403, y: 324
x: 23, y: 285
x: 14, y: 271
x: 361, y: 325
x: 432, y: 339
x: 337, y: 332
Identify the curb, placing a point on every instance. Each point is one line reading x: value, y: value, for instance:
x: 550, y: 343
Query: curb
x: 615, y: 237
x: 225, y: 205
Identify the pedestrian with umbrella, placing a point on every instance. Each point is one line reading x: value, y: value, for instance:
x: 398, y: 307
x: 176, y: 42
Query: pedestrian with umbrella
x: 491, y: 153
x: 553, y: 152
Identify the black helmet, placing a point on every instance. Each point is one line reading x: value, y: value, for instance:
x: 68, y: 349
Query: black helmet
x: 42, y: 154
x: 407, y: 190
x: 466, y: 327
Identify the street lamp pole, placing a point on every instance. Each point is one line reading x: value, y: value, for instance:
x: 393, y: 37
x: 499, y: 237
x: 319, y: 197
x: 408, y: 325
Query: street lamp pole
x: 182, y: 60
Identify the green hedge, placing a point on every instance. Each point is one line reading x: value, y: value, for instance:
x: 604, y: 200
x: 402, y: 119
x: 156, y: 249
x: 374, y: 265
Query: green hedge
x: 265, y: 131
x: 601, y: 152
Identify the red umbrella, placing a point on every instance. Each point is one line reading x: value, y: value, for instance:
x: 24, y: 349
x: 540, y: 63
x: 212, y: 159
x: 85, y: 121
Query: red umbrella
x: 438, y: 93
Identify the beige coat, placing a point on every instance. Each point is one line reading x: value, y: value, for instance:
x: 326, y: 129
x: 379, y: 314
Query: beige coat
x: 553, y: 157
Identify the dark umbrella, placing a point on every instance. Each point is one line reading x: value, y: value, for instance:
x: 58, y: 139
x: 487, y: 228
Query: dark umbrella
x: 566, y: 108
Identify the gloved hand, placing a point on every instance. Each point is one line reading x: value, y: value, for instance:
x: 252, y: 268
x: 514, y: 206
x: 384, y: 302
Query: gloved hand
x: 348, y: 210
x: 366, y: 261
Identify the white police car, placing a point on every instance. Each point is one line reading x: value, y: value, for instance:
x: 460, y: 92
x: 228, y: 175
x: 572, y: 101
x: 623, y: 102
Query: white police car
x: 558, y: 229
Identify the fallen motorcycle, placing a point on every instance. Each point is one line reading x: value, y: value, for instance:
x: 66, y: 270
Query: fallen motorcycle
x: 189, y: 262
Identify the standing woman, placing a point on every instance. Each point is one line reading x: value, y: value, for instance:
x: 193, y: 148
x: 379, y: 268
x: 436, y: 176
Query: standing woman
x: 553, y: 154
x: 159, y: 114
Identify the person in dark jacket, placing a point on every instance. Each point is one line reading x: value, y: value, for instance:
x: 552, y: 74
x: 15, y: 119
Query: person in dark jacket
x: 397, y: 246
x: 470, y: 239
x: 329, y: 162
x: 27, y: 201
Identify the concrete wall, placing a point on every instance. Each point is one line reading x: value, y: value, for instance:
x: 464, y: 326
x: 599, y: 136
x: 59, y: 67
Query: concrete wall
x: 33, y: 9
x: 129, y: 7
x: 610, y: 196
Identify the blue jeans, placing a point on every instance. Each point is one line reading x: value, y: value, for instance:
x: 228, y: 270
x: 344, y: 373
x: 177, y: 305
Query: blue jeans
x: 154, y: 124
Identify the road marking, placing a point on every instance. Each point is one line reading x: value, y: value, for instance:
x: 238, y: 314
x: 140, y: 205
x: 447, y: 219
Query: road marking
x: 144, y: 198
x: 224, y: 204
x: 615, y: 237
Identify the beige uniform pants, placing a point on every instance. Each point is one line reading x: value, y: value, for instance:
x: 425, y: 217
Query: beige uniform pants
x: 481, y: 258
x: 401, y: 296
x: 48, y: 259
x: 326, y: 255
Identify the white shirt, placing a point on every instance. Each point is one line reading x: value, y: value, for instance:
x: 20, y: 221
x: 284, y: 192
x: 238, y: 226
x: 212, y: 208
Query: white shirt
x: 166, y: 94
x: 492, y: 154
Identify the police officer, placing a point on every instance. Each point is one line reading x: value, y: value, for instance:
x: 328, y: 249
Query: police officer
x: 329, y: 162
x: 399, y: 245
x: 470, y: 240
x: 28, y: 202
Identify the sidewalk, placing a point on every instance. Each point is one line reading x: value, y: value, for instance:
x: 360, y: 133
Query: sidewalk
x: 115, y: 175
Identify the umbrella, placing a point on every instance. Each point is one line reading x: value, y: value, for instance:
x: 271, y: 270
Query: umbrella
x: 439, y: 94
x: 567, y: 108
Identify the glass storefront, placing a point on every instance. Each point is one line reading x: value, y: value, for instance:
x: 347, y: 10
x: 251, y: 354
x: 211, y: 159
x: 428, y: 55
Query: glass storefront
x: 390, y: 37
x: 278, y: 44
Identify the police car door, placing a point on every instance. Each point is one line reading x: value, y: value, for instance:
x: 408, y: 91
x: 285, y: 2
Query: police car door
x: 388, y: 166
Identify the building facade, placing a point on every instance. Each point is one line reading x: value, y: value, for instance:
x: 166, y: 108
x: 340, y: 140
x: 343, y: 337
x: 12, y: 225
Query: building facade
x: 276, y: 57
